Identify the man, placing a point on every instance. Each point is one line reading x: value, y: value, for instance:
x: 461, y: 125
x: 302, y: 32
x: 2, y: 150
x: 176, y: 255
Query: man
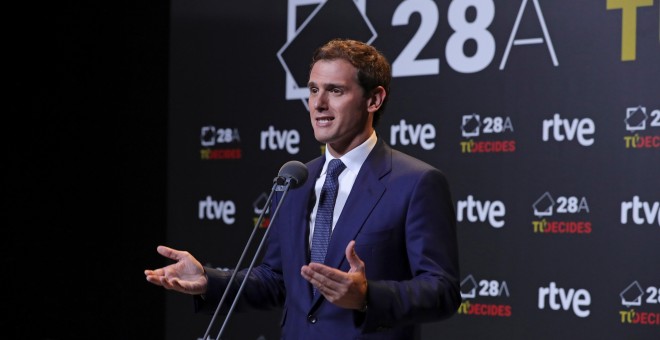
x: 392, y: 258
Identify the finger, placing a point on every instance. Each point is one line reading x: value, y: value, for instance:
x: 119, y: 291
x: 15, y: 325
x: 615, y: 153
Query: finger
x: 326, y: 274
x: 170, y: 253
x: 173, y: 284
x: 167, y: 284
x: 350, y: 251
x: 319, y: 268
x: 176, y: 285
x: 154, y: 276
x: 305, y: 273
x: 324, y: 290
x: 154, y: 279
x: 322, y: 282
x: 311, y: 275
x: 353, y: 259
x: 322, y: 287
x: 159, y: 271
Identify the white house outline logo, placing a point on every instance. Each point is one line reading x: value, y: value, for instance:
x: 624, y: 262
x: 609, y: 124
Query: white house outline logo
x: 258, y: 204
x: 466, y: 124
x: 636, y: 291
x: 470, y: 283
x: 208, y: 136
x: 638, y: 113
x: 300, y: 91
x: 547, y: 211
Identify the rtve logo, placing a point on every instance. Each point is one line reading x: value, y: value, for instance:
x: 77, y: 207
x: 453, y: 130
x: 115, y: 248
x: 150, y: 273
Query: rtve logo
x: 560, y: 298
x: 478, y: 211
x: 563, y: 129
x: 280, y: 140
x: 640, y: 212
x: 407, y: 134
x: 210, y: 209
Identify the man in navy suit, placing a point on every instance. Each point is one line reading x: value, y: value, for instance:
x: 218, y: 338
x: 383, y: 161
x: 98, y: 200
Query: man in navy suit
x: 392, y: 258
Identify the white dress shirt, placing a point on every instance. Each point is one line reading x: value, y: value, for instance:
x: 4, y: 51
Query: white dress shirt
x: 353, y: 161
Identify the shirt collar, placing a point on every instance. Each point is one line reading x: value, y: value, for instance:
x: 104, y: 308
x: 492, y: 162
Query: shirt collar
x: 356, y: 157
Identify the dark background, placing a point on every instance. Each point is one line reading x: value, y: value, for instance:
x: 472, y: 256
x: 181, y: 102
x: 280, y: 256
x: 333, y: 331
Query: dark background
x: 85, y: 175
x: 225, y: 73
x: 84, y: 172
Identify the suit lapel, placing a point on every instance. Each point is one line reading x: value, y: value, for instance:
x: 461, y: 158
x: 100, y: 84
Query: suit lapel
x: 306, y: 199
x: 365, y: 194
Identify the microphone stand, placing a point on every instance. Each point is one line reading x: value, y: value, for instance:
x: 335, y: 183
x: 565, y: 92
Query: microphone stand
x: 277, y: 186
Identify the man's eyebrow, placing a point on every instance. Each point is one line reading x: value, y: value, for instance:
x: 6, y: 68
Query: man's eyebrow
x: 327, y: 86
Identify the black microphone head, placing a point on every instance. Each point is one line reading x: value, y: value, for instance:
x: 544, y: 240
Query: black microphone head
x: 295, y: 171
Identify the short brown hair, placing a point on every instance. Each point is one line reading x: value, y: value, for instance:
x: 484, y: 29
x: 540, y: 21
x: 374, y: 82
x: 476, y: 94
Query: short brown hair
x: 373, y: 68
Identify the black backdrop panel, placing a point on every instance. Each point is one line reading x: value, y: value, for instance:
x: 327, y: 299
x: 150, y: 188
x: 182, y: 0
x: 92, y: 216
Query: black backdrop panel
x: 545, y: 116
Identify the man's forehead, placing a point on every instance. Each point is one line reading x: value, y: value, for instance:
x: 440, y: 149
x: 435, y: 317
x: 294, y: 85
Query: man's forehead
x: 336, y: 71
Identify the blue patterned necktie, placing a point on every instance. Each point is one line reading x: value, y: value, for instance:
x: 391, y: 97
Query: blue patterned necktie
x: 323, y: 223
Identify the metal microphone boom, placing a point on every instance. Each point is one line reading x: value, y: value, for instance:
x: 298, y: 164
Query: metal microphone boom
x: 291, y: 175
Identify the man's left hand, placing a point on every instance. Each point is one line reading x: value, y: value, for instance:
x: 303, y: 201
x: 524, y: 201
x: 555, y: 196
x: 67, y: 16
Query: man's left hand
x: 344, y: 289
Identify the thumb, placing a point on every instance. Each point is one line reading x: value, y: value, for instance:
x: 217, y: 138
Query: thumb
x: 170, y: 253
x: 353, y: 259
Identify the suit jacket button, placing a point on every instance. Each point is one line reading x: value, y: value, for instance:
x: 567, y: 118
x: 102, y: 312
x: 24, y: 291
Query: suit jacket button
x: 311, y: 319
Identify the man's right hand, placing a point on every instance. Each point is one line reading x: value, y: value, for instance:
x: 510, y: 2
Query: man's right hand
x: 185, y: 276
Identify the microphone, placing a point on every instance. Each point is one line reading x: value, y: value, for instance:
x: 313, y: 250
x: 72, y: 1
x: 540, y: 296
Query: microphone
x: 292, y: 174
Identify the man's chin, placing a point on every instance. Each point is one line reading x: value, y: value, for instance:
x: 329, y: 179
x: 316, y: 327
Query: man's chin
x: 322, y: 137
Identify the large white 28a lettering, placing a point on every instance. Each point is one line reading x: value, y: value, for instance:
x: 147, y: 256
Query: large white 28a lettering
x: 407, y: 64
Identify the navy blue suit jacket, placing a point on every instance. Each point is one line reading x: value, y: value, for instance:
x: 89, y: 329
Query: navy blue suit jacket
x: 401, y: 216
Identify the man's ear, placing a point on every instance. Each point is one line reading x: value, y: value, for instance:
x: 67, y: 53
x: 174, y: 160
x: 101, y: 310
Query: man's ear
x: 376, y: 99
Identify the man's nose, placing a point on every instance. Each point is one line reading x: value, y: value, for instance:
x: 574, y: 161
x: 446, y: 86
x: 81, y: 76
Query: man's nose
x: 320, y: 102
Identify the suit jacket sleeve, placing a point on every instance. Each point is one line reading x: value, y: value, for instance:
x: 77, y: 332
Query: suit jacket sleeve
x: 433, y: 292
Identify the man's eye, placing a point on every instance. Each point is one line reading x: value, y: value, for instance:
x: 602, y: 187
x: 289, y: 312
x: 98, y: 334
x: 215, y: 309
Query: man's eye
x: 336, y: 91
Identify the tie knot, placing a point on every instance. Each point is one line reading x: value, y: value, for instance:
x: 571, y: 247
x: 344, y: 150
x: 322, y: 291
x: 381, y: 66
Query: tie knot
x: 335, y: 167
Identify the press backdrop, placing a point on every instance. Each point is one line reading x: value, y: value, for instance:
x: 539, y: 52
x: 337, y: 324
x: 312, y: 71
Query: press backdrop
x: 544, y: 115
